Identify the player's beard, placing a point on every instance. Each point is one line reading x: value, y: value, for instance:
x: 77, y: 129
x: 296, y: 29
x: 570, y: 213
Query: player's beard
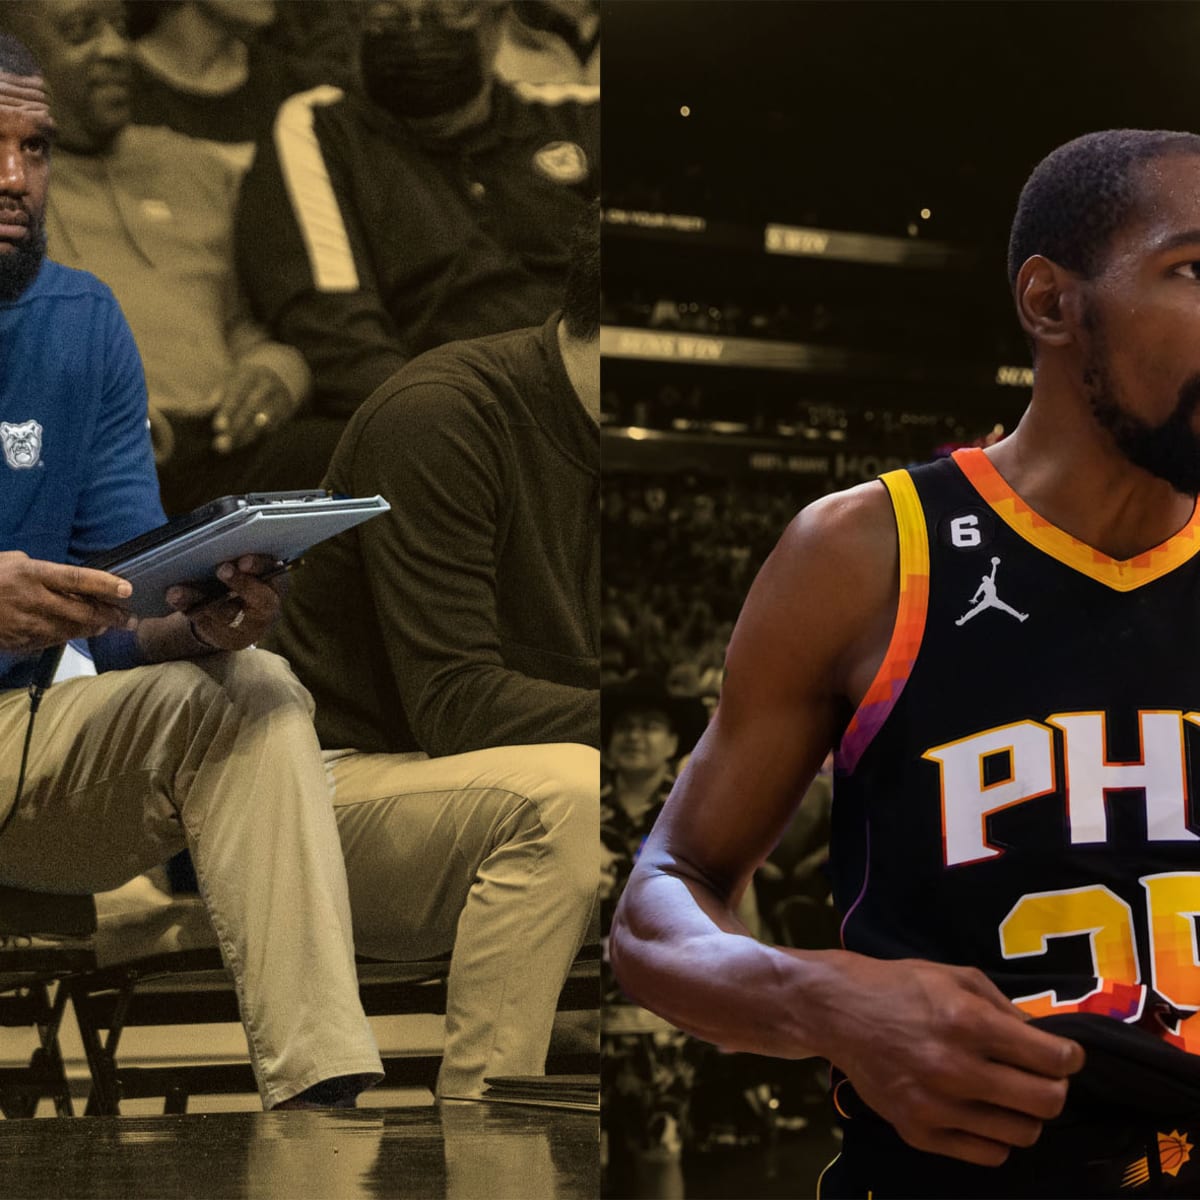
x: 19, y: 269
x: 1170, y: 450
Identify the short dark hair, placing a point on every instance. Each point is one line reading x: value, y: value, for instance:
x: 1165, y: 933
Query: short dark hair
x: 16, y: 58
x: 1080, y: 194
x: 581, y: 302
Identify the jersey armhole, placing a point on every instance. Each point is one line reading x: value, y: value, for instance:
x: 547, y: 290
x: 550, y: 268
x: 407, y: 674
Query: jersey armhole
x: 908, y: 630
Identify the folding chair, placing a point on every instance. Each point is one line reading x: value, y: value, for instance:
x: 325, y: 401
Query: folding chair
x: 45, y: 939
x: 51, y: 941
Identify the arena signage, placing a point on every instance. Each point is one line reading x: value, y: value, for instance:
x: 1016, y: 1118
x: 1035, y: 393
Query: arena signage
x: 803, y: 242
x: 662, y: 345
x: 675, y: 222
x: 639, y: 343
x: 1014, y: 376
x: 652, y: 450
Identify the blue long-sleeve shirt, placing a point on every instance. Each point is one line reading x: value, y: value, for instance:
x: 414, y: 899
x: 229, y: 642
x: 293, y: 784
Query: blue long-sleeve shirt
x: 77, y: 472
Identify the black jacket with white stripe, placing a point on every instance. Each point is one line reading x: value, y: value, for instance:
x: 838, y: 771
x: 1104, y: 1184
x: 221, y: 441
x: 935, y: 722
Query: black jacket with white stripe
x: 363, y: 246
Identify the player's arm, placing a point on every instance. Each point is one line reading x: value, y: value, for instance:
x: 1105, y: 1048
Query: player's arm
x: 827, y: 590
x: 936, y: 1050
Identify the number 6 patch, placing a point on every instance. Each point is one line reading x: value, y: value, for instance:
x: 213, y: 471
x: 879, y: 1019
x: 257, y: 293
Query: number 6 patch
x: 967, y: 529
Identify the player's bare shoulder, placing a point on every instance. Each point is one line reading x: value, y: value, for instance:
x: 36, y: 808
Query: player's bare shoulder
x: 853, y: 531
x: 825, y: 600
x: 843, y: 550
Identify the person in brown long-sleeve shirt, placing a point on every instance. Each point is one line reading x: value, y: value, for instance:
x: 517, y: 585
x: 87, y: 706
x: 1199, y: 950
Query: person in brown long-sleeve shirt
x: 452, y: 651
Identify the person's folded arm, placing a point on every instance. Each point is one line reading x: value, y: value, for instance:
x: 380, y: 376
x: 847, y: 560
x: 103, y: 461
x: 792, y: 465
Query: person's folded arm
x: 431, y: 561
x: 305, y: 262
x: 251, y: 345
x: 265, y: 384
x: 349, y: 342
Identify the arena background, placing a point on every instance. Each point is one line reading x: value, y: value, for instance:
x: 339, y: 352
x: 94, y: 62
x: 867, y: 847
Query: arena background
x: 806, y: 211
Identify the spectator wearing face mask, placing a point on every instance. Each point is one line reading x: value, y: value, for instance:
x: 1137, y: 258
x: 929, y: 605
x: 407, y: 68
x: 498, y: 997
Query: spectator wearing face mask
x: 435, y: 207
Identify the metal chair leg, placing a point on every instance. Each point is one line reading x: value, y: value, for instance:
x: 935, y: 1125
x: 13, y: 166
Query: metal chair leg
x: 48, y: 1056
x: 46, y: 1073
x: 105, y: 1096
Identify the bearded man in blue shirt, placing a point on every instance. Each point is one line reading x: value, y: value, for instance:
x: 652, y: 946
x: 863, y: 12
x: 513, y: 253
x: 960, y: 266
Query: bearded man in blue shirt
x: 183, y: 738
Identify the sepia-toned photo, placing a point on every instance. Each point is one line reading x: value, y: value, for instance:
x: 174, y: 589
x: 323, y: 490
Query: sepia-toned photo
x: 299, y: 598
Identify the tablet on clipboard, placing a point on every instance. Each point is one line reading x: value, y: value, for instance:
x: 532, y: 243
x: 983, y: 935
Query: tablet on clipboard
x: 188, y: 549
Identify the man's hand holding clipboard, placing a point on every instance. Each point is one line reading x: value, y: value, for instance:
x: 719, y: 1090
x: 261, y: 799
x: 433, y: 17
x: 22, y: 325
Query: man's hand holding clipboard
x: 256, y: 585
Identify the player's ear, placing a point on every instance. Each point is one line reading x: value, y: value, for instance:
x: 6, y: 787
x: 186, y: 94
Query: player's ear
x: 1049, y: 302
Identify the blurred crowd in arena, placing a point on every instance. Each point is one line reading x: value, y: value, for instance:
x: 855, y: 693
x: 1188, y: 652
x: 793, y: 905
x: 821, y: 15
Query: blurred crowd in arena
x: 706, y: 540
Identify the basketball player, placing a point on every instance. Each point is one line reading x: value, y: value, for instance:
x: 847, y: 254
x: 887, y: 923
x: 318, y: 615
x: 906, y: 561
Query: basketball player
x: 1013, y: 846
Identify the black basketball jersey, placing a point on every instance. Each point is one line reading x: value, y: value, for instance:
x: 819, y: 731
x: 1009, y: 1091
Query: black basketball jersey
x: 1016, y: 790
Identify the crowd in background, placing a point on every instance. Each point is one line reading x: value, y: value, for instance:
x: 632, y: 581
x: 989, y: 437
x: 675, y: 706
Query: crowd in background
x: 706, y: 539
x: 292, y: 200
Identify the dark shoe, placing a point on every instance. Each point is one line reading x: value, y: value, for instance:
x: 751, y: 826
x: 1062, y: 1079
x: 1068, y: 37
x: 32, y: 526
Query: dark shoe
x: 339, y: 1092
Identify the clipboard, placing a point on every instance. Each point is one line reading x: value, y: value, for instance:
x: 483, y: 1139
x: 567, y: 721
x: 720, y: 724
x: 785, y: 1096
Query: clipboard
x: 188, y: 549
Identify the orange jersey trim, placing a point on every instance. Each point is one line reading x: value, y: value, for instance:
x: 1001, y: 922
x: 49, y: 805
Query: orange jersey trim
x: 1122, y: 575
x: 908, y: 630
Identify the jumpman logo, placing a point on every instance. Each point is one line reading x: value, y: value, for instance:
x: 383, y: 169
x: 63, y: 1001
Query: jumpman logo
x: 985, y: 597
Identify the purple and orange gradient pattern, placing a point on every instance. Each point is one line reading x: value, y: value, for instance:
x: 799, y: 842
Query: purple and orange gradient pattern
x: 1112, y: 998
x: 1122, y: 575
x: 908, y: 630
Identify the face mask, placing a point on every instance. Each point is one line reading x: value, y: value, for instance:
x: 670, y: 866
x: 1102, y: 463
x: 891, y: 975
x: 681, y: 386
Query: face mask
x: 422, y: 72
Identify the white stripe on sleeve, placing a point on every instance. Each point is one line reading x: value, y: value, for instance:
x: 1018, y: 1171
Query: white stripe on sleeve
x: 556, y: 93
x: 313, y: 202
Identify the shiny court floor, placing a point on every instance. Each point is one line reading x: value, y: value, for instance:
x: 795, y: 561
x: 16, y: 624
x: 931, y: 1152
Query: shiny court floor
x: 459, y: 1151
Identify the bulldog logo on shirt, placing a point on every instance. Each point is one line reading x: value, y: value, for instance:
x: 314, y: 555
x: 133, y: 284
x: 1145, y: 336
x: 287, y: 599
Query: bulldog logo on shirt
x: 562, y: 162
x: 22, y: 444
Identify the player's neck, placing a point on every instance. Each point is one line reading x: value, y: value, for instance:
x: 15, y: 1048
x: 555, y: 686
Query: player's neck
x: 1067, y: 469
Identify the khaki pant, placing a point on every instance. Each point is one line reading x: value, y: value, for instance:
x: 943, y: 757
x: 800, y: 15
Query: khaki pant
x: 493, y: 856
x: 218, y: 754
